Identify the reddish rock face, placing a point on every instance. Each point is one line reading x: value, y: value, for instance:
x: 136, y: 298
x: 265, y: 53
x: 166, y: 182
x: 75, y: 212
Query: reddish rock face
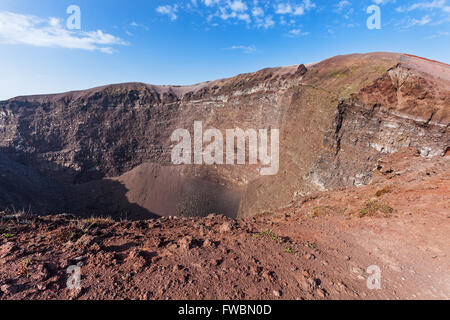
x: 87, y: 150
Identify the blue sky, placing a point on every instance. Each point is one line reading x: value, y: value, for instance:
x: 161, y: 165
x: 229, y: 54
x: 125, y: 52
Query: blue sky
x: 185, y: 42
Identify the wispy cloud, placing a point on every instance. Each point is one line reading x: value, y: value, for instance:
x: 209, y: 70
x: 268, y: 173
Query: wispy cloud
x: 294, y: 33
x: 261, y: 19
x: 254, y: 13
x: 430, y: 5
x: 136, y: 25
x: 245, y: 49
x: 341, y: 5
x: 168, y: 10
x: 265, y: 23
x: 294, y: 9
x: 237, y: 6
x: 438, y: 35
x: 418, y: 22
x: 50, y: 32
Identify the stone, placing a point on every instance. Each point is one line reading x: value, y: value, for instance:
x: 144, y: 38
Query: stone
x: 7, y: 249
x: 42, y: 286
x: 226, y: 227
x: 10, y: 288
x: 301, y: 71
x: 185, y: 243
x: 321, y: 293
x: 85, y: 241
x: 277, y: 293
x: 310, y: 256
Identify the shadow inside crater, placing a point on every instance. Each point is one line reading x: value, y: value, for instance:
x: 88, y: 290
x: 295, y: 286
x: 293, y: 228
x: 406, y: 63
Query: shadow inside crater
x: 146, y: 192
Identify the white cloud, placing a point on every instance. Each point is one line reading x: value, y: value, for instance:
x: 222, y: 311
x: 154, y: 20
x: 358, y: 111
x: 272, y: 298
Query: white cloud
x: 225, y: 15
x: 265, y: 23
x: 296, y: 33
x: 283, y: 8
x: 262, y: 21
x: 257, y: 12
x: 245, y: 49
x: 438, y: 35
x: 295, y: 9
x: 136, y: 25
x: 168, y: 10
x: 49, y: 32
x: 431, y: 5
x: 237, y: 6
x: 210, y: 3
x: 419, y: 22
x: 341, y: 5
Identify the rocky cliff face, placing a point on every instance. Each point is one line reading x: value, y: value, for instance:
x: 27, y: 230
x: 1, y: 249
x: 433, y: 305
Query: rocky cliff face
x: 336, y: 119
x: 348, y: 112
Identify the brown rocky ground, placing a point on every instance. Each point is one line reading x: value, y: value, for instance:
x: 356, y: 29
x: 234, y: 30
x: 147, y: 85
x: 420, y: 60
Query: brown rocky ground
x: 318, y: 247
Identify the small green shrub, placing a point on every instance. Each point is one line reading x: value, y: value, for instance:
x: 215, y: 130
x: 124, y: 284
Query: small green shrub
x: 266, y: 234
x: 289, y: 250
x: 374, y: 206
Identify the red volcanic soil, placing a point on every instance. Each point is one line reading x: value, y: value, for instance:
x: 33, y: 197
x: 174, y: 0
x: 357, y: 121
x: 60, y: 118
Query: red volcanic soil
x: 413, y: 56
x: 319, y: 247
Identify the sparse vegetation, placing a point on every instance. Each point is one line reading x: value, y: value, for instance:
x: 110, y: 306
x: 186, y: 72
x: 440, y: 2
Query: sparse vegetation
x: 24, y: 267
x: 339, y: 73
x: 325, y: 211
x: 263, y: 214
x: 289, y: 250
x: 384, y: 190
x: 374, y: 206
x: 11, y: 219
x: 266, y: 234
x: 311, y: 245
x: 69, y: 234
x: 78, y: 227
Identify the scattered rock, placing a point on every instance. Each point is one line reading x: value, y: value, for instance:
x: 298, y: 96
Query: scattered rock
x: 85, y: 241
x: 269, y: 275
x: 11, y: 288
x: 321, y: 293
x: 185, y: 243
x: 43, y: 272
x: 207, y: 243
x: 41, y: 286
x: 7, y: 249
x: 277, y: 293
x: 136, y: 259
x: 309, y: 284
x: 216, y: 262
x: 310, y: 256
x: 75, y: 294
x: 226, y: 227
x: 95, y: 248
x: 357, y: 271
